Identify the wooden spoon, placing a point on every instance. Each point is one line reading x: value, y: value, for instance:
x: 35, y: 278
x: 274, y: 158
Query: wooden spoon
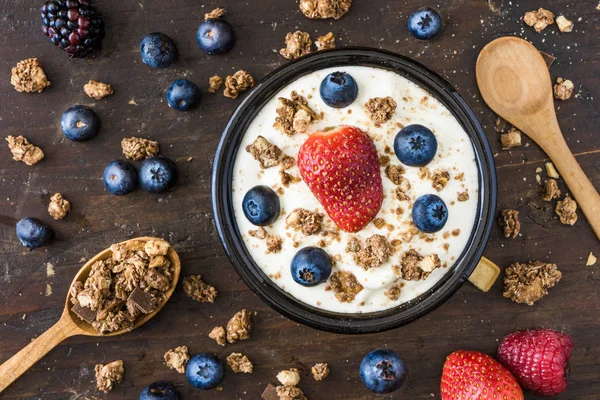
x: 70, y: 325
x: 514, y: 81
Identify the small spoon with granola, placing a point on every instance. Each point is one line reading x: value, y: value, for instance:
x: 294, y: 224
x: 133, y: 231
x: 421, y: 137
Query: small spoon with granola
x: 514, y: 81
x: 118, y: 290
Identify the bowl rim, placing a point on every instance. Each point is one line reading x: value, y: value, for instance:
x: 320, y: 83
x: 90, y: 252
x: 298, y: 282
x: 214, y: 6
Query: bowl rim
x: 252, y: 275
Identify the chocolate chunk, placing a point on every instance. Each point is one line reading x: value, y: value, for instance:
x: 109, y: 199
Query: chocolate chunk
x: 270, y: 393
x: 84, y: 313
x: 548, y: 59
x: 142, y: 300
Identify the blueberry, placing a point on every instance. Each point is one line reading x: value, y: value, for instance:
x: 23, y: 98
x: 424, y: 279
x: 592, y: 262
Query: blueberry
x: 311, y: 266
x: 415, y: 145
x: 159, y: 391
x: 383, y: 371
x: 338, y: 90
x: 158, y: 50
x: 424, y: 23
x: 120, y: 177
x: 79, y: 123
x: 204, y: 371
x: 183, y: 95
x: 261, y: 205
x: 429, y: 213
x: 215, y: 36
x: 33, y: 233
x: 157, y: 174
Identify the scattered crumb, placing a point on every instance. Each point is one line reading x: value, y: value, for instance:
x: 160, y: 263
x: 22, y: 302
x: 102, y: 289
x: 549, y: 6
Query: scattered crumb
x: 177, y: 358
x: 551, y: 171
x: 462, y: 196
x: 563, y: 89
x: 591, y: 260
x: 289, y: 377
x: 28, y: 76
x: 24, y: 151
x: 214, y: 14
x: 214, y: 83
x: 551, y: 190
x: 50, y: 270
x: 297, y: 44
x: 48, y: 291
x: 97, y: 90
x: 440, y: 179
x: 325, y: 42
x: 510, y: 139
x: 59, y: 207
x: 564, y: 25
x: 529, y: 282
x: 218, y: 334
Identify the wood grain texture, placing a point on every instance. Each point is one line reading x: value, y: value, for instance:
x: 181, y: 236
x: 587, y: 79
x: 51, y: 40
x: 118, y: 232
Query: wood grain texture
x: 469, y: 320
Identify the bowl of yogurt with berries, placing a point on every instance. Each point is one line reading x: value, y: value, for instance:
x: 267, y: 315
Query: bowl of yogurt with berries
x: 354, y: 190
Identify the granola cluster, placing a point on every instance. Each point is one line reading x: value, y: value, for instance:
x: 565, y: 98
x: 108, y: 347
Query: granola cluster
x: 306, y: 221
x: 214, y: 14
x: 440, y: 179
x: 551, y: 190
x: 196, y: 289
x: 415, y: 267
x: 293, y: 115
x: 320, y: 371
x: 239, y: 326
x: 374, y: 253
x: 135, y: 148
x: 563, y: 89
x: 266, y: 153
x: 214, y: 83
x: 239, y: 362
x: 529, y: 282
x: 345, y: 286
x: 108, y: 375
x: 509, y: 222
x: 394, y: 291
x: 394, y: 173
x: 28, y: 76
x: 97, y: 90
x: 237, y: 83
x: 380, y: 109
x: 24, y: 151
x: 133, y: 281
x: 539, y: 19
x: 402, y: 189
x: 59, y: 207
x: 177, y: 358
x: 219, y: 335
x: 273, y: 241
x: 566, y: 209
x: 297, y: 44
x: 325, y: 42
x: 322, y: 9
x: 511, y: 139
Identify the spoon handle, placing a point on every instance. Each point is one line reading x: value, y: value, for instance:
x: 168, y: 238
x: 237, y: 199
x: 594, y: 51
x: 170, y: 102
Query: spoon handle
x: 34, y: 351
x: 584, y: 192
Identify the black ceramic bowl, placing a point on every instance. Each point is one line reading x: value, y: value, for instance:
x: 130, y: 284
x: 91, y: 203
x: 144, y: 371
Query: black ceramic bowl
x: 232, y: 240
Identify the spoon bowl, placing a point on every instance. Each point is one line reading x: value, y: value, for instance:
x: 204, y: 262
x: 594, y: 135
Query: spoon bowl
x: 514, y: 82
x: 70, y: 324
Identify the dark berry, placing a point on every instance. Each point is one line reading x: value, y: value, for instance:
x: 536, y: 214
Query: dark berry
x: 429, y: 213
x: 158, y: 50
x: 159, y: 391
x: 261, y: 205
x: 33, y: 233
x: 183, y: 95
x: 215, y: 36
x: 338, y: 90
x: 157, y: 174
x: 61, y: 19
x: 204, y: 371
x: 79, y: 123
x: 120, y: 177
x: 311, y: 266
x: 415, y: 145
x: 383, y: 371
x: 424, y: 23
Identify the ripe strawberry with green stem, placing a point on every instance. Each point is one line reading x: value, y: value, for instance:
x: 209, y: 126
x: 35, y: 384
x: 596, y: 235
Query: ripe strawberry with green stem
x: 341, y: 168
x: 471, y: 375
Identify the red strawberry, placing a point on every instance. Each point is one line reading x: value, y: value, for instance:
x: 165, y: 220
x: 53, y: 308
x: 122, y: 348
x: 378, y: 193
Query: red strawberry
x: 341, y: 168
x: 539, y: 359
x: 471, y: 375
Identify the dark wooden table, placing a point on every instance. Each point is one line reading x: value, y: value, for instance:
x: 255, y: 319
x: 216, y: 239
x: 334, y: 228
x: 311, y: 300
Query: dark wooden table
x: 470, y: 320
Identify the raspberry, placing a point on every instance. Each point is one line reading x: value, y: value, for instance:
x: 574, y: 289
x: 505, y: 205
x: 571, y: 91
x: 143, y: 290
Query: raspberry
x: 73, y: 25
x: 539, y: 359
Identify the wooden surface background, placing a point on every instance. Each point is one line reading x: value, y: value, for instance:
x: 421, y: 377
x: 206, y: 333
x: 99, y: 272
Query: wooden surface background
x: 470, y: 320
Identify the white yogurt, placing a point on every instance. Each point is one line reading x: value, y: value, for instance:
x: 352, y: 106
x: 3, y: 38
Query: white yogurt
x: 415, y: 106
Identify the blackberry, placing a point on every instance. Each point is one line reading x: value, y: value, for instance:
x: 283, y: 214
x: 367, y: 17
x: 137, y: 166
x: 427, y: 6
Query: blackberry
x: 73, y: 25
